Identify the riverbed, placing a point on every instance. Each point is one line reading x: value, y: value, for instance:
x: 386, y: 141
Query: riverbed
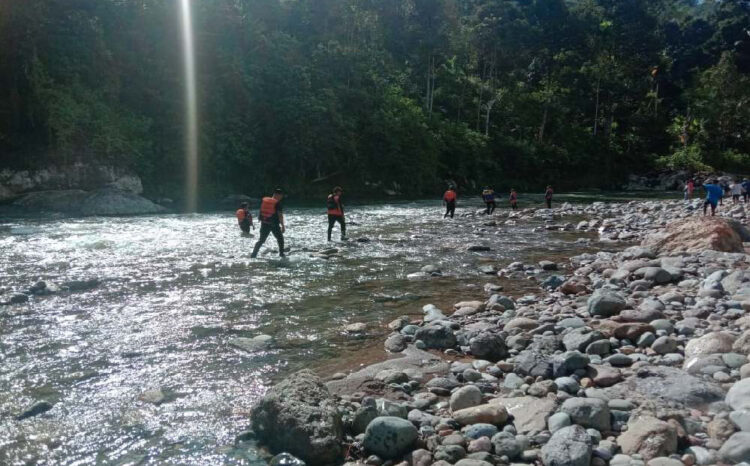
x: 136, y: 359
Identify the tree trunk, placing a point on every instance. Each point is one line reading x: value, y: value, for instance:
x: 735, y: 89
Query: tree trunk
x: 487, y: 117
x: 596, y: 107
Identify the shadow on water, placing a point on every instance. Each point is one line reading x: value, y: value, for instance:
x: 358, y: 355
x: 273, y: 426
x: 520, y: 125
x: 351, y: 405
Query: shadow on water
x: 139, y: 364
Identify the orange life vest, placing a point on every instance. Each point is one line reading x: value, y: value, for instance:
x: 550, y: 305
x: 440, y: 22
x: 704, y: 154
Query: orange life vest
x: 334, y: 205
x: 240, y: 215
x: 268, y: 208
x: 449, y: 196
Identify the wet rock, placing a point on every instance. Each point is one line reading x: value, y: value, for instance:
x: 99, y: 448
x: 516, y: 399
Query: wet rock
x: 389, y: 437
x: 257, y: 343
x: 569, y: 446
x: 300, y: 416
x: 396, y: 343
x: 648, y: 437
x: 478, y: 248
x: 36, y: 409
x: 155, y: 397
x: 588, y: 412
x: 436, y: 337
x: 285, y: 459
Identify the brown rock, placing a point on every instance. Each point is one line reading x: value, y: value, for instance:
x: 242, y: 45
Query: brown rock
x: 632, y: 330
x: 489, y: 414
x: 696, y: 234
x: 604, y: 376
x: 649, y: 437
x: 720, y: 429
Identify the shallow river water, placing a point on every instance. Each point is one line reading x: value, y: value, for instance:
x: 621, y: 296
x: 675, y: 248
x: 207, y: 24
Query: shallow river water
x: 173, y: 291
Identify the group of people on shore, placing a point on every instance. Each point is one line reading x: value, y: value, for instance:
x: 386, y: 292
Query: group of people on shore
x: 716, y: 192
x: 488, y: 196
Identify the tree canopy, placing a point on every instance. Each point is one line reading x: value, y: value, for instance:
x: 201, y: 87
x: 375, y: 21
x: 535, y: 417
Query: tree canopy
x: 397, y: 95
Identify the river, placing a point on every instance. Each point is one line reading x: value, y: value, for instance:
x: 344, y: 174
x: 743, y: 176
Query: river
x: 174, y: 290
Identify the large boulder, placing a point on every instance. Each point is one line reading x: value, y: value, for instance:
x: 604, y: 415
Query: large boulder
x: 605, y: 302
x: 569, y: 446
x: 529, y: 413
x: 696, y: 234
x: 300, y: 416
x: 117, y: 202
x: 710, y: 343
x: 649, y: 437
x: 389, y: 437
x: 737, y: 448
x: 489, y: 346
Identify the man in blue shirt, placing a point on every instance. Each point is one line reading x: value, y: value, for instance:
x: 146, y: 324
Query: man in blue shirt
x: 714, y: 193
x: 746, y: 190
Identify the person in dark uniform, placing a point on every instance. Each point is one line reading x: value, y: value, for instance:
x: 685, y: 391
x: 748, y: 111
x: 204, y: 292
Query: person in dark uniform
x: 271, y: 221
x: 449, y: 201
x: 244, y: 218
x: 488, y: 196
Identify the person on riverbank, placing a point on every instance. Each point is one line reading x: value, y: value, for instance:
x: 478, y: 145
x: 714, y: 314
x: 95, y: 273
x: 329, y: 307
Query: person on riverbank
x: 449, y: 201
x: 746, y: 190
x: 513, y: 199
x: 689, y: 189
x: 488, y: 195
x: 714, y: 194
x: 736, y: 189
x: 244, y: 218
x: 548, y: 196
x: 271, y: 222
x: 336, y: 212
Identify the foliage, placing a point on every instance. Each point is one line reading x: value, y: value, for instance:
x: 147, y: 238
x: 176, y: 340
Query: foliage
x: 390, y: 94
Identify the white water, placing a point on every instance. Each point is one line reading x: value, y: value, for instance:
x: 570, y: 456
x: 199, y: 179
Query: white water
x: 191, y: 108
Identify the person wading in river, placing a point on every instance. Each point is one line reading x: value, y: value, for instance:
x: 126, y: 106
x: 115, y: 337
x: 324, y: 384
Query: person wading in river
x: 513, y: 199
x: 336, y: 212
x: 548, y: 196
x: 244, y: 218
x: 488, y: 195
x: 271, y: 221
x: 449, y: 201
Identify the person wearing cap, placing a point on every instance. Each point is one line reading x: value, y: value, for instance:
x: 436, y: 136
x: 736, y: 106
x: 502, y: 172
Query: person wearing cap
x: 336, y: 212
x: 271, y: 222
x: 713, y: 196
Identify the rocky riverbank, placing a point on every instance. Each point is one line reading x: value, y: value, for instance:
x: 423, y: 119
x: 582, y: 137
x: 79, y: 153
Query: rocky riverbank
x: 636, y: 357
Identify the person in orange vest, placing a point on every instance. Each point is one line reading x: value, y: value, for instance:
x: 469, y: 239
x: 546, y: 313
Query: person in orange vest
x: 513, y: 199
x: 244, y: 218
x: 271, y: 221
x: 449, y: 201
x: 336, y: 212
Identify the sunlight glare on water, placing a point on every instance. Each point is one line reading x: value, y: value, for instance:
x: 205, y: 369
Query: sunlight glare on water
x: 172, y: 293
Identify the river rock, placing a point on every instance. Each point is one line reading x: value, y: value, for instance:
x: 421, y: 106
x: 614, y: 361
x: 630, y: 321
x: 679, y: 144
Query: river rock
x: 495, y: 414
x: 605, y: 302
x: 696, y: 234
x: 301, y: 417
x: 489, y: 346
x: 588, y: 412
x: 523, y: 323
x: 737, y: 448
x: 116, y: 202
x: 569, y: 446
x: 505, y: 444
x: 711, y: 343
x: 396, y: 343
x: 648, y: 437
x: 529, y: 413
x: 35, y: 409
x: 436, y: 337
x: 389, y: 437
x: 465, y: 397
x: 285, y: 459
x: 738, y: 397
x: 256, y: 343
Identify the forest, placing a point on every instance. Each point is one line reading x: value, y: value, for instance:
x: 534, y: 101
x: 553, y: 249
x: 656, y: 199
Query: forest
x: 379, y: 95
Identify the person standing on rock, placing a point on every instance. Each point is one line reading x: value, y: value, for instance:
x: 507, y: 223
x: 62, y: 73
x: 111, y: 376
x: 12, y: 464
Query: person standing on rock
x: 488, y: 195
x: 548, y: 196
x: 713, y: 196
x: 746, y: 190
x: 271, y: 221
x: 513, y: 199
x: 336, y: 212
x: 244, y: 218
x: 449, y: 201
